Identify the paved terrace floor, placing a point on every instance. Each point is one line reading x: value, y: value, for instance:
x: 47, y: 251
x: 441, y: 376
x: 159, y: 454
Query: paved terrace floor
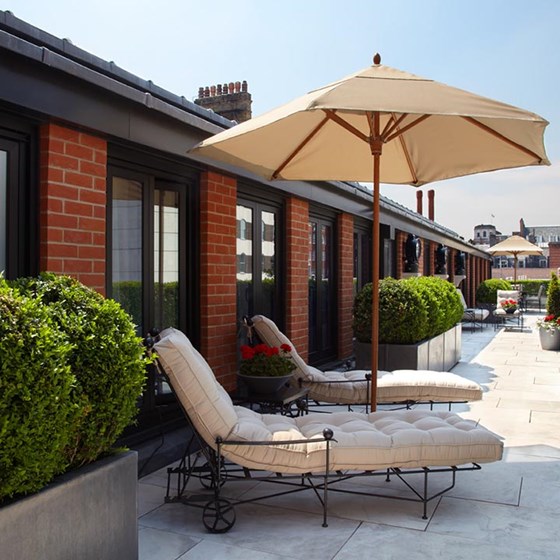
x: 508, y: 510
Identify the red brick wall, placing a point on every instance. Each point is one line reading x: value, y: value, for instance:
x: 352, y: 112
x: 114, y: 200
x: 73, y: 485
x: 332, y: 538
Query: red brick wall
x: 73, y: 171
x: 345, y: 284
x: 554, y: 255
x: 218, y: 198
x: 297, y: 256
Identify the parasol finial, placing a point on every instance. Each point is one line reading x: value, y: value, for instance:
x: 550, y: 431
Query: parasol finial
x: 377, y: 59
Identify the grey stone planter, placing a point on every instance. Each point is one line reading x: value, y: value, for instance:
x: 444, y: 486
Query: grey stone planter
x: 86, y: 514
x: 550, y: 339
x: 440, y: 353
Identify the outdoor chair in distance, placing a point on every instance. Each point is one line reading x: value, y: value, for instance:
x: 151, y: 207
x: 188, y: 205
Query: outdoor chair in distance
x: 405, y: 386
x: 473, y: 315
x: 309, y: 452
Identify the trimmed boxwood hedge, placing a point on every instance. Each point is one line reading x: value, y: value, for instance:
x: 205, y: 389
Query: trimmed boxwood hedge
x: 74, y: 368
x: 37, y: 411
x: 410, y: 310
x: 107, y: 360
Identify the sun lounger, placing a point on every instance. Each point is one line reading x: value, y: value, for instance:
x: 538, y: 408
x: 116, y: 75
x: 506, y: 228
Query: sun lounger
x: 351, y: 387
x: 337, y: 446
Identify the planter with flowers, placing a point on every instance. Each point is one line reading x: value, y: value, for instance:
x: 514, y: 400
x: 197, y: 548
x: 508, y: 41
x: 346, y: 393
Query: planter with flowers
x: 549, y: 326
x: 266, y: 369
x: 509, y: 305
x: 549, y: 332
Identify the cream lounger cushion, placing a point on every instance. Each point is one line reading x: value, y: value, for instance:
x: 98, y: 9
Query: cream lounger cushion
x: 408, y: 438
x: 397, y: 386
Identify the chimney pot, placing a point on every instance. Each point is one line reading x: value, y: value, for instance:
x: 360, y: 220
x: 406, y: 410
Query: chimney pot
x: 419, y: 195
x: 431, y: 212
x: 244, y: 86
x: 219, y: 89
x: 206, y: 91
x: 213, y: 91
x: 200, y: 92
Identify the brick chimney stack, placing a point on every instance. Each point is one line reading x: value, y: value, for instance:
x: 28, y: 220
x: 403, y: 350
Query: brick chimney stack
x: 431, y: 196
x: 419, y: 195
x: 232, y: 100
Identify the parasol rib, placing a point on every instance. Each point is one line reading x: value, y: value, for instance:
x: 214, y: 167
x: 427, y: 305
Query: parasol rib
x: 503, y: 138
x: 407, y: 127
x: 299, y: 147
x: 340, y: 121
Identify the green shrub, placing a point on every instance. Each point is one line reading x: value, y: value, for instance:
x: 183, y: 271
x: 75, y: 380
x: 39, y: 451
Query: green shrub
x: 409, y: 310
x: 428, y: 288
x: 107, y: 361
x: 361, y: 314
x: 37, y: 413
x: 403, y: 318
x: 487, y: 291
x: 553, y: 296
x: 531, y: 287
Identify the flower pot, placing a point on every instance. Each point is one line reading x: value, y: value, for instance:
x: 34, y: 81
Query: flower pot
x: 550, y: 339
x: 511, y: 310
x: 262, y: 385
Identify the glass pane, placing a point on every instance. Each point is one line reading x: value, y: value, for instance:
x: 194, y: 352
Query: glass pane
x: 312, y: 280
x: 324, y: 297
x: 268, y: 249
x: 166, y: 259
x: 244, y: 261
x: 3, y: 206
x: 127, y: 247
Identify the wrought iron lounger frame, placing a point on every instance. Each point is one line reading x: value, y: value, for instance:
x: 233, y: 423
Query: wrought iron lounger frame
x: 218, y: 513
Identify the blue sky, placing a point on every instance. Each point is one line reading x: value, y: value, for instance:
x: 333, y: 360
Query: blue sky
x: 503, y: 49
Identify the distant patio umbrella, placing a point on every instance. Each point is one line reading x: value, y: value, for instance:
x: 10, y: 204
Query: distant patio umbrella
x: 420, y: 129
x: 515, y: 246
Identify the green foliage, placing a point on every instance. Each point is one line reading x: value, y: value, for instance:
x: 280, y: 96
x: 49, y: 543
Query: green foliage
x: 553, y: 296
x: 531, y: 287
x: 361, y: 314
x: 487, y: 291
x: 106, y: 359
x: 403, y: 318
x: 442, y: 303
x: 37, y: 412
x: 409, y: 310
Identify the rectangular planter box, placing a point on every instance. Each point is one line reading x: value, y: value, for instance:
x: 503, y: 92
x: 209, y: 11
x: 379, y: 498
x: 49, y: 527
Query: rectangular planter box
x: 440, y: 353
x: 86, y: 514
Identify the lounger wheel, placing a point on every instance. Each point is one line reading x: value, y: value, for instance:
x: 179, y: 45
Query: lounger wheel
x: 218, y: 516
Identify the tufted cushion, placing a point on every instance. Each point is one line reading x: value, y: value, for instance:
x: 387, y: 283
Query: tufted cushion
x: 396, y: 386
x: 206, y: 402
x: 407, y: 438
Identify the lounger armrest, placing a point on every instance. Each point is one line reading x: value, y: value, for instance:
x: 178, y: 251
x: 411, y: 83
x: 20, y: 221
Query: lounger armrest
x: 328, y: 435
x: 302, y: 381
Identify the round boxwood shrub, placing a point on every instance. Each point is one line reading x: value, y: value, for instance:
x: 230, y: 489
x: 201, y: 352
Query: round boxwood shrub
x: 487, y: 291
x: 107, y: 360
x: 402, y: 315
x: 37, y: 411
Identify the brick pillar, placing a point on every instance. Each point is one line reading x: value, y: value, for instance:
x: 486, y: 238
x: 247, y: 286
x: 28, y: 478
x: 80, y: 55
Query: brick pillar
x: 345, y: 284
x: 297, y: 263
x: 400, y: 238
x: 218, y: 321
x: 554, y: 256
x: 73, y: 201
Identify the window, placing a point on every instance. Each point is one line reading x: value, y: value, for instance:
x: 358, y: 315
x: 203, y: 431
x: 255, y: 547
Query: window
x: 150, y: 236
x: 257, y: 256
x: 18, y: 207
x: 322, y: 291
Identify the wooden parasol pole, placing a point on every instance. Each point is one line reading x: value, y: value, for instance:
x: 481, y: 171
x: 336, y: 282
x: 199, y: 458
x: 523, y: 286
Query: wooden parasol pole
x: 376, y: 149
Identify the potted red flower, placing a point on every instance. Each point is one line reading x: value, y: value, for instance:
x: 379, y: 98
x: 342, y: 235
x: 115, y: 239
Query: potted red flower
x: 266, y: 369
